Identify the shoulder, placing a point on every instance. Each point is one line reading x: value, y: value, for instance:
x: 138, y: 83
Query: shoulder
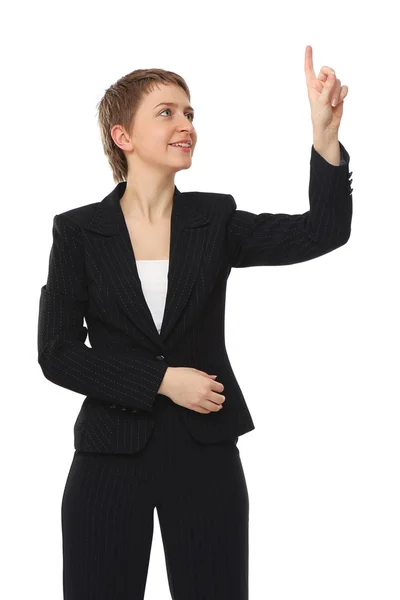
x: 211, y: 202
x: 79, y: 215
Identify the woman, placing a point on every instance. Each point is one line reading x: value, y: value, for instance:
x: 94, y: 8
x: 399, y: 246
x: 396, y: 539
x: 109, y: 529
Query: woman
x: 147, y: 269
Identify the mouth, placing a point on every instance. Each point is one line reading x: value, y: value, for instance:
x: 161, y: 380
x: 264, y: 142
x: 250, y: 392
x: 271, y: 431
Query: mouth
x: 183, y: 148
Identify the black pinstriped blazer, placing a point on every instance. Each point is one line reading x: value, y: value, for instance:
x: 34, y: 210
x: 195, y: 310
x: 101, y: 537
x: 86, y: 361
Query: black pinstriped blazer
x: 92, y: 275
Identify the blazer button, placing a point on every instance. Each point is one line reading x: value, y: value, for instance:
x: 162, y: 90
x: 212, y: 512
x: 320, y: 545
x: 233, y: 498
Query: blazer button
x: 112, y: 405
x: 123, y: 408
x: 134, y: 410
x: 160, y: 357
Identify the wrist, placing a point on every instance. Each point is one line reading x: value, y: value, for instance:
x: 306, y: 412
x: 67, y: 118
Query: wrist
x: 163, y: 389
x: 328, y: 147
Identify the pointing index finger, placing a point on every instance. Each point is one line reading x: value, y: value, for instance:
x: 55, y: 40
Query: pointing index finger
x: 308, y: 63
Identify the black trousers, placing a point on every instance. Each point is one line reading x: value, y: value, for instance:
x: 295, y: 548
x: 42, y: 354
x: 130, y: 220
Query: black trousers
x: 202, y: 502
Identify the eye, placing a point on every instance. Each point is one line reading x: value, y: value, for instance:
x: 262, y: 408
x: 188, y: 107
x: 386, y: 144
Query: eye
x: 189, y: 113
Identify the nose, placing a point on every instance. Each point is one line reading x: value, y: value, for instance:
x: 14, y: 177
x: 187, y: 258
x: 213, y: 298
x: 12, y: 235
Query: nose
x: 189, y: 128
x: 187, y: 125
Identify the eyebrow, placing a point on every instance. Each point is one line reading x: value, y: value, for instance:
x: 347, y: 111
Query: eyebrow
x: 174, y: 104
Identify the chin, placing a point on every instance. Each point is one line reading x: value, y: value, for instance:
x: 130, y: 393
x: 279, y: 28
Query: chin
x: 184, y: 168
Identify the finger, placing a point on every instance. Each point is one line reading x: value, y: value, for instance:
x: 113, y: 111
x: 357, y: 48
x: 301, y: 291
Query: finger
x: 324, y: 72
x: 343, y: 92
x: 217, y: 398
x: 336, y: 92
x: 308, y: 64
x: 329, y: 85
x: 215, y: 402
x: 201, y: 410
x: 217, y: 386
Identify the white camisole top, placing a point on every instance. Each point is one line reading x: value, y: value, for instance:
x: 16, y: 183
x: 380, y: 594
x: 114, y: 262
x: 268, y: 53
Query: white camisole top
x: 154, y: 279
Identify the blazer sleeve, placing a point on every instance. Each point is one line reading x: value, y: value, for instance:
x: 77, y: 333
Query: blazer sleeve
x: 132, y: 380
x: 282, y: 239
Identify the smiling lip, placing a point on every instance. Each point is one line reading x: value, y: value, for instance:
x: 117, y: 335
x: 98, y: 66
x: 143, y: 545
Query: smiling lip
x: 183, y: 141
x: 181, y: 148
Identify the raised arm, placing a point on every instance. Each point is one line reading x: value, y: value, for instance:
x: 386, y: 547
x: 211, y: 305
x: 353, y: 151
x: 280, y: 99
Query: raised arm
x: 282, y: 239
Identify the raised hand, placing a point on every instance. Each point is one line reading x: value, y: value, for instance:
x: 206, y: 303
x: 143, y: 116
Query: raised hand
x: 326, y: 95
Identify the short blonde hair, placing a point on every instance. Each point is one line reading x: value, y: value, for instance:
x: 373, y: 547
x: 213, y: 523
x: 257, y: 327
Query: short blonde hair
x: 119, y: 106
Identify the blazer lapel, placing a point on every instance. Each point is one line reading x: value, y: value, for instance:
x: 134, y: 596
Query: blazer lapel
x: 114, y: 255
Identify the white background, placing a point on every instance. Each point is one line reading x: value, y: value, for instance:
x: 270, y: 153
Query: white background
x: 320, y: 375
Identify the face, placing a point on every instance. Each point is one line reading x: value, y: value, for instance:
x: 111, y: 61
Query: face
x: 156, y: 126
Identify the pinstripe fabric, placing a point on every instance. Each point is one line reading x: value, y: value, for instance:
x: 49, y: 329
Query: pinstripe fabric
x: 93, y: 276
x: 281, y: 239
x: 202, y: 503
